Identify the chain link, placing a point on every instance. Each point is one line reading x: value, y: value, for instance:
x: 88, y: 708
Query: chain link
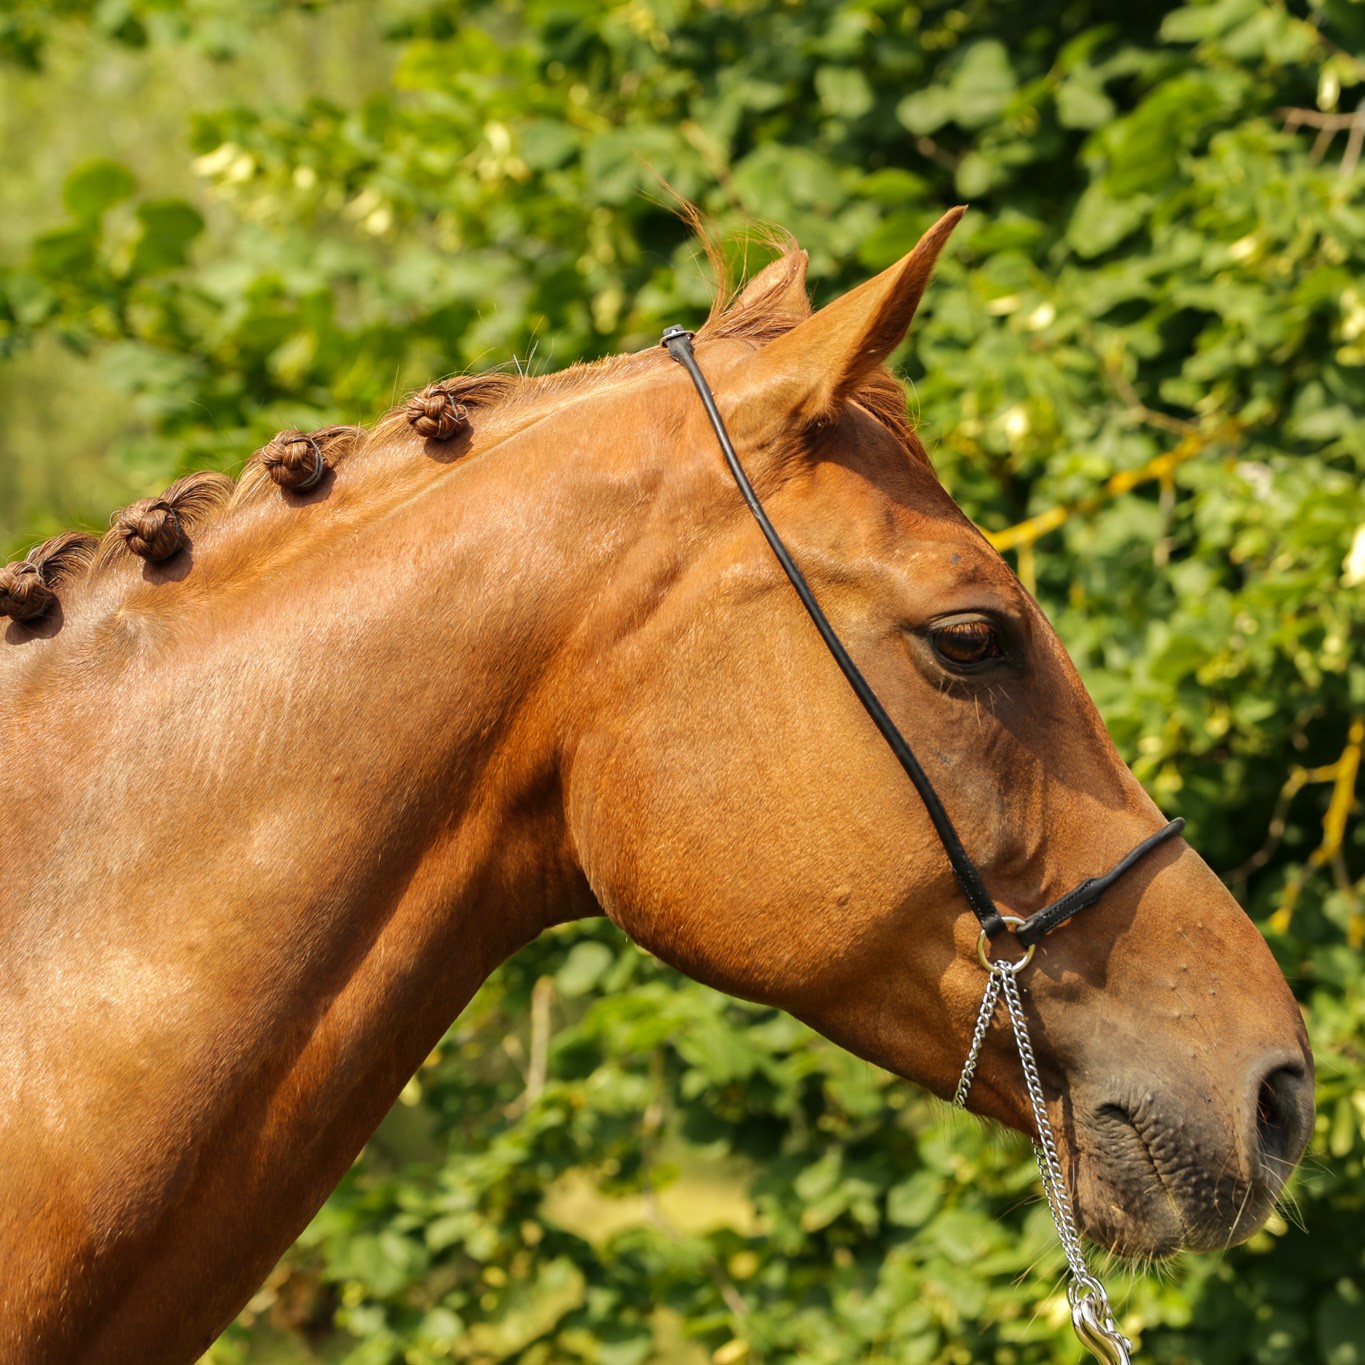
x: 1091, y: 1315
x: 983, y: 1025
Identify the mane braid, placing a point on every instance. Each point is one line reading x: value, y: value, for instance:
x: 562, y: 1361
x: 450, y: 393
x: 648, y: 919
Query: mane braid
x: 28, y: 587
x: 158, y: 528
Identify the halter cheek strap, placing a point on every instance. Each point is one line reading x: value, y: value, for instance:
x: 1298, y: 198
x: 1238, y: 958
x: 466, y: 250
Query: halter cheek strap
x: 678, y: 342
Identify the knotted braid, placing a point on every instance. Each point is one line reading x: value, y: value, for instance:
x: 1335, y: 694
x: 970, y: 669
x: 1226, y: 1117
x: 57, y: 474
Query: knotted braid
x: 28, y: 587
x: 23, y: 594
x: 294, y: 460
x: 150, y: 528
x: 435, y: 413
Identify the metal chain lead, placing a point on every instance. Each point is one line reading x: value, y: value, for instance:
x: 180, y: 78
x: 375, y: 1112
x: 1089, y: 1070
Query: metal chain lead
x: 1091, y: 1314
x: 983, y: 1025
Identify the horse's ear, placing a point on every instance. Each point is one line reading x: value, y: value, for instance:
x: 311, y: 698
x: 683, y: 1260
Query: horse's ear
x: 807, y: 372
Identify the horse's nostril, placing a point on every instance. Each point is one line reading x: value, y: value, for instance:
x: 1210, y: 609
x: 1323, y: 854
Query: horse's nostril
x: 1269, y: 1119
x: 1284, y: 1113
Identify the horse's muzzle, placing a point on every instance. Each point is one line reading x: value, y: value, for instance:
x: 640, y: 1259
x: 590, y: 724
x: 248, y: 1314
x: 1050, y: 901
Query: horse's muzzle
x: 1157, y: 1171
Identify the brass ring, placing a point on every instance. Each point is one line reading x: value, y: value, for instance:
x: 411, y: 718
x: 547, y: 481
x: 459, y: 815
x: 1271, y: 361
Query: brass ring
x: 1014, y: 968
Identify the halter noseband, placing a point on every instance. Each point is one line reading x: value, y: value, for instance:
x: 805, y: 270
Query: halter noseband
x: 677, y: 341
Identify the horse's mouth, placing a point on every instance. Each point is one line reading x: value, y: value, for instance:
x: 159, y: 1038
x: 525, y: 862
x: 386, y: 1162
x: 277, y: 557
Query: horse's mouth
x: 1151, y: 1178
x: 1122, y: 1199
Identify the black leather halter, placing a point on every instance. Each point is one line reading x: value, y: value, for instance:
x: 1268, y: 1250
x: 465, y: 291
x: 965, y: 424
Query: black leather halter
x: 678, y: 343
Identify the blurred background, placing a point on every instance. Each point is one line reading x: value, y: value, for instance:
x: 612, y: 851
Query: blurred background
x: 1140, y: 370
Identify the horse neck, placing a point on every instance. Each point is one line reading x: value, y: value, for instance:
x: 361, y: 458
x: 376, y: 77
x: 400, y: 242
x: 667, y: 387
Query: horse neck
x: 312, y: 814
x: 305, y: 738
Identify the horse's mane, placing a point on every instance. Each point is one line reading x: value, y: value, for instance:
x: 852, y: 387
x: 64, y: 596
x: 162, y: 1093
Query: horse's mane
x: 156, y: 528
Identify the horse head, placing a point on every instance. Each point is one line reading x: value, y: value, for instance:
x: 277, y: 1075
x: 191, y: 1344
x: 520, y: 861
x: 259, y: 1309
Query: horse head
x: 736, y: 812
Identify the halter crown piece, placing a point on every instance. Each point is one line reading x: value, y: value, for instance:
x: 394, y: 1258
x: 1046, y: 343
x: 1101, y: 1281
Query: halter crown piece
x: 1090, y: 1312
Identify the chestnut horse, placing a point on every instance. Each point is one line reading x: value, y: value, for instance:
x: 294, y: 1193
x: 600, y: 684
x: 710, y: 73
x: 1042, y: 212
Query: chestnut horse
x: 290, y: 765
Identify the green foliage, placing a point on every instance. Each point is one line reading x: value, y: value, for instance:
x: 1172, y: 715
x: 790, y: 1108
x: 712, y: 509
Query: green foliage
x: 1151, y: 263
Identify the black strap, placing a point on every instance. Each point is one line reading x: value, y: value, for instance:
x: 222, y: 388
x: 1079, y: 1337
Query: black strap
x: 1090, y: 890
x: 678, y: 343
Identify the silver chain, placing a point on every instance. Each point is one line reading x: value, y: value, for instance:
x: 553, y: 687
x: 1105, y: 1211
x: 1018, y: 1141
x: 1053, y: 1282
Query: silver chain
x: 1091, y: 1315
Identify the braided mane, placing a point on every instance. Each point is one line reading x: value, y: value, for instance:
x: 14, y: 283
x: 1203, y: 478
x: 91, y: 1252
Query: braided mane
x: 156, y: 529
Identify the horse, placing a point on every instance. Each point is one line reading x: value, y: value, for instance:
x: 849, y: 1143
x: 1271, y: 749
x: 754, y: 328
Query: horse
x: 289, y: 764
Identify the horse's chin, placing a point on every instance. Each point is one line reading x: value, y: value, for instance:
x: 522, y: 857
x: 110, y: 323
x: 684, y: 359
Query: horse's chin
x: 1145, y: 1224
x: 1148, y: 1180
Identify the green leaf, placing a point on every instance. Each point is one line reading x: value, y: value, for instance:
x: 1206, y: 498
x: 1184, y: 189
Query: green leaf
x: 169, y: 226
x: 1196, y: 23
x: 1083, y: 105
x: 1100, y: 222
x: 819, y: 1179
x: 583, y: 968
x: 977, y: 173
x: 547, y: 143
x: 624, y: 1346
x: 924, y: 111
x: 441, y: 1326
x: 983, y: 85
x: 92, y: 189
x: 65, y: 253
x: 915, y: 1200
x: 844, y: 91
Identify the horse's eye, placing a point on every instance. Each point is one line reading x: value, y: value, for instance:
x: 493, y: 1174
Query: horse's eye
x: 963, y: 643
